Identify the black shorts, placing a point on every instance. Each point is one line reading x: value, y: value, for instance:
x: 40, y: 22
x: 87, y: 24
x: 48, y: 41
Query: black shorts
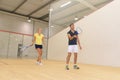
x: 38, y: 46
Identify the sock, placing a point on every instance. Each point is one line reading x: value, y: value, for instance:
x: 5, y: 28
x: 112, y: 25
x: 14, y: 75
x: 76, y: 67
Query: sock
x: 67, y: 65
x: 75, y: 64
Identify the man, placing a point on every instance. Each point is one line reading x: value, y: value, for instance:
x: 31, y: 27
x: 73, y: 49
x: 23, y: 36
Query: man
x: 72, y: 46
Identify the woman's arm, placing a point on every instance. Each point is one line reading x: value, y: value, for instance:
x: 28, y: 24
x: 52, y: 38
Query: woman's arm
x: 43, y: 40
x: 33, y: 41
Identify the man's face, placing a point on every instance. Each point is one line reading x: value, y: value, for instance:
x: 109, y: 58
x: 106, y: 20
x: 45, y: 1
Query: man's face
x: 72, y: 27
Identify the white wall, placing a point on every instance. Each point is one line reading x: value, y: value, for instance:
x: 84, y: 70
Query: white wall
x: 57, y: 46
x: 100, y: 38
x: 17, y: 24
x: 4, y: 44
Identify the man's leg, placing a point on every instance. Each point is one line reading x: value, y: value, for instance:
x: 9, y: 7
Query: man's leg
x: 68, y: 60
x: 75, y: 61
x: 75, y: 58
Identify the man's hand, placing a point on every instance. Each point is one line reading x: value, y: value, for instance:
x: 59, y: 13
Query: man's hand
x: 75, y: 36
x: 80, y: 48
x: 79, y: 43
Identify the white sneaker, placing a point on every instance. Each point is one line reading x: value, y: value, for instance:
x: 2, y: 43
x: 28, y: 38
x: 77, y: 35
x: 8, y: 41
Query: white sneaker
x: 39, y: 63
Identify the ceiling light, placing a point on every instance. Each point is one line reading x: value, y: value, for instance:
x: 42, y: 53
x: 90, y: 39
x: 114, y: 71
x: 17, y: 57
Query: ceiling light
x: 51, y: 9
x: 29, y: 20
x: 76, y: 18
x: 52, y: 26
x: 63, y: 5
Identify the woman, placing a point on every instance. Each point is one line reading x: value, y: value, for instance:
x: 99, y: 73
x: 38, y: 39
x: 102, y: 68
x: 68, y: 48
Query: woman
x: 39, y: 41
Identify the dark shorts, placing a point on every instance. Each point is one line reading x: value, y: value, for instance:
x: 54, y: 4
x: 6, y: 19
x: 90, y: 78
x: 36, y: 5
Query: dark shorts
x: 38, y: 46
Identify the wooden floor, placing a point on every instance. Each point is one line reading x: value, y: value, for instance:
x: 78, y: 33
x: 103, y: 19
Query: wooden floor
x: 26, y: 69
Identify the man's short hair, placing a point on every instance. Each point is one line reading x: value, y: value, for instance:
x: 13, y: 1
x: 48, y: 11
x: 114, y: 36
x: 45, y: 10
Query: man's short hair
x: 71, y: 24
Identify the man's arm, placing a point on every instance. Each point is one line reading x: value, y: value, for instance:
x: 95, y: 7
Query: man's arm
x: 78, y: 40
x: 71, y: 37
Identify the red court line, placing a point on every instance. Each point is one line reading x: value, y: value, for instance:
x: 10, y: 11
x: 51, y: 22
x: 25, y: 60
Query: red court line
x: 16, y: 32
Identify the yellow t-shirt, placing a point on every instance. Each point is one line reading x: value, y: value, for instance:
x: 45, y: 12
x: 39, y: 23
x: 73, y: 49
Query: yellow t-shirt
x: 38, y: 39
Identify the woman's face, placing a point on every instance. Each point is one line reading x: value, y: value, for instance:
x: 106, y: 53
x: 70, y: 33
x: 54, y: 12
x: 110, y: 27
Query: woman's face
x: 39, y: 30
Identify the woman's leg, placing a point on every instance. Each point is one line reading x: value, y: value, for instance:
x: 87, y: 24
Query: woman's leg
x: 39, y: 54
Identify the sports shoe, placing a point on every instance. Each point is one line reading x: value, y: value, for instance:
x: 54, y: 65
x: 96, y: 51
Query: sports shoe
x: 39, y: 63
x: 67, y: 68
x: 76, y: 67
